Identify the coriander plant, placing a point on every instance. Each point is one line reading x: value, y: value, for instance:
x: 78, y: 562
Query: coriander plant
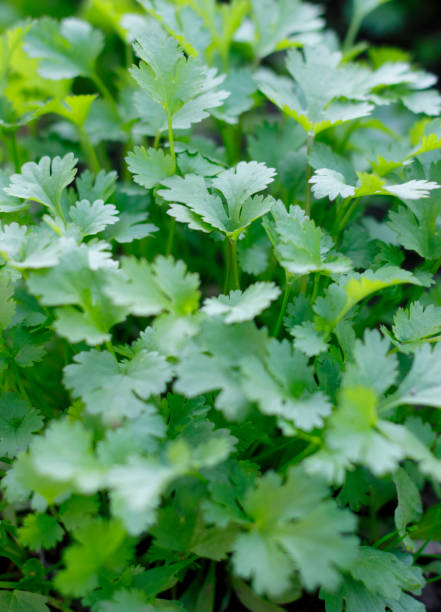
x: 220, y: 312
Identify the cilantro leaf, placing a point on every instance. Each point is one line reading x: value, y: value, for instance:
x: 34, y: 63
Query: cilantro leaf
x: 18, y: 421
x: 414, y: 326
x: 147, y: 289
x: 40, y: 531
x: 302, y: 529
x: 67, y: 49
x: 301, y: 246
x: 205, y: 211
x: 116, y: 389
x: 377, y: 580
x: 149, y: 167
x: 283, y: 386
x: 184, y: 88
x: 241, y: 306
x: 44, y: 182
x: 92, y: 217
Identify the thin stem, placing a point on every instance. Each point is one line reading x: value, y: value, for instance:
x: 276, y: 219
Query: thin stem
x: 57, y: 604
x: 346, y: 215
x: 171, y: 236
x: 157, y: 139
x: 105, y: 92
x: 309, y: 144
x: 89, y: 151
x: 352, y: 32
x: 227, y: 266
x: 385, y: 538
x: 234, y: 275
x: 15, y: 152
x: 315, y: 287
x: 420, y: 551
x: 171, y: 142
x: 286, y: 292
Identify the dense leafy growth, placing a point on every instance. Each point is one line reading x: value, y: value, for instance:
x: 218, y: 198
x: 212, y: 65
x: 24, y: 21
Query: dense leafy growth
x: 220, y: 312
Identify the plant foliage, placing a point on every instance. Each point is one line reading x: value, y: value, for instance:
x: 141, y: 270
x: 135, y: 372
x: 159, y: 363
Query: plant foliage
x: 220, y: 312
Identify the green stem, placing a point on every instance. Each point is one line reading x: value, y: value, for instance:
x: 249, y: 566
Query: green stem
x: 315, y: 287
x: 234, y: 269
x: 57, y: 604
x: 14, y: 152
x: 352, y: 32
x: 171, y: 236
x: 89, y: 151
x: 385, y: 538
x: 346, y: 215
x: 105, y: 92
x: 172, y: 226
x: 171, y: 142
x: 227, y: 266
x: 309, y: 144
x: 157, y: 139
x: 286, y: 292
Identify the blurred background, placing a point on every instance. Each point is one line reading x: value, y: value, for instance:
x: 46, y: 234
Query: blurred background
x: 414, y: 25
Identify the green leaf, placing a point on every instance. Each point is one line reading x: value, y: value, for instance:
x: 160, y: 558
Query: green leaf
x: 44, y: 182
x: 329, y: 183
x: 101, y: 546
x: 373, y: 366
x: 343, y: 296
x: 279, y: 25
x: 282, y: 384
x: 329, y: 93
x: 204, y: 209
x: 377, y: 580
x: 7, y: 304
x: 217, y: 352
x: 122, y: 600
x: 113, y: 389
x: 302, y: 529
x: 149, y: 167
x: 93, y: 217
x: 74, y: 283
x: 64, y: 454
x: 18, y: 423
x: 40, y: 531
x: 409, y: 508
x: 416, y: 325
x: 421, y: 386
x: 67, y: 49
x: 308, y: 339
x: 184, y: 88
x: 72, y: 108
x: 23, y: 601
x: 148, y: 289
x: 241, y: 306
x: 301, y: 246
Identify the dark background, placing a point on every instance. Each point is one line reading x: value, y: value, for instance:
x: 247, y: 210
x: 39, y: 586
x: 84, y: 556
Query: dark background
x: 414, y: 25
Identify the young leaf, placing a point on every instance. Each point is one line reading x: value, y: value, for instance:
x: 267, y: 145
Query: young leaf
x: 204, y: 209
x: 301, y: 246
x: 377, y: 580
x: 283, y: 386
x: 241, y: 306
x: 92, y: 217
x: 301, y: 530
x: 149, y: 167
x: 44, y: 182
x: 184, y: 88
x: 39, y: 531
x: 67, y: 49
x: 115, y: 390
x: 18, y: 421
